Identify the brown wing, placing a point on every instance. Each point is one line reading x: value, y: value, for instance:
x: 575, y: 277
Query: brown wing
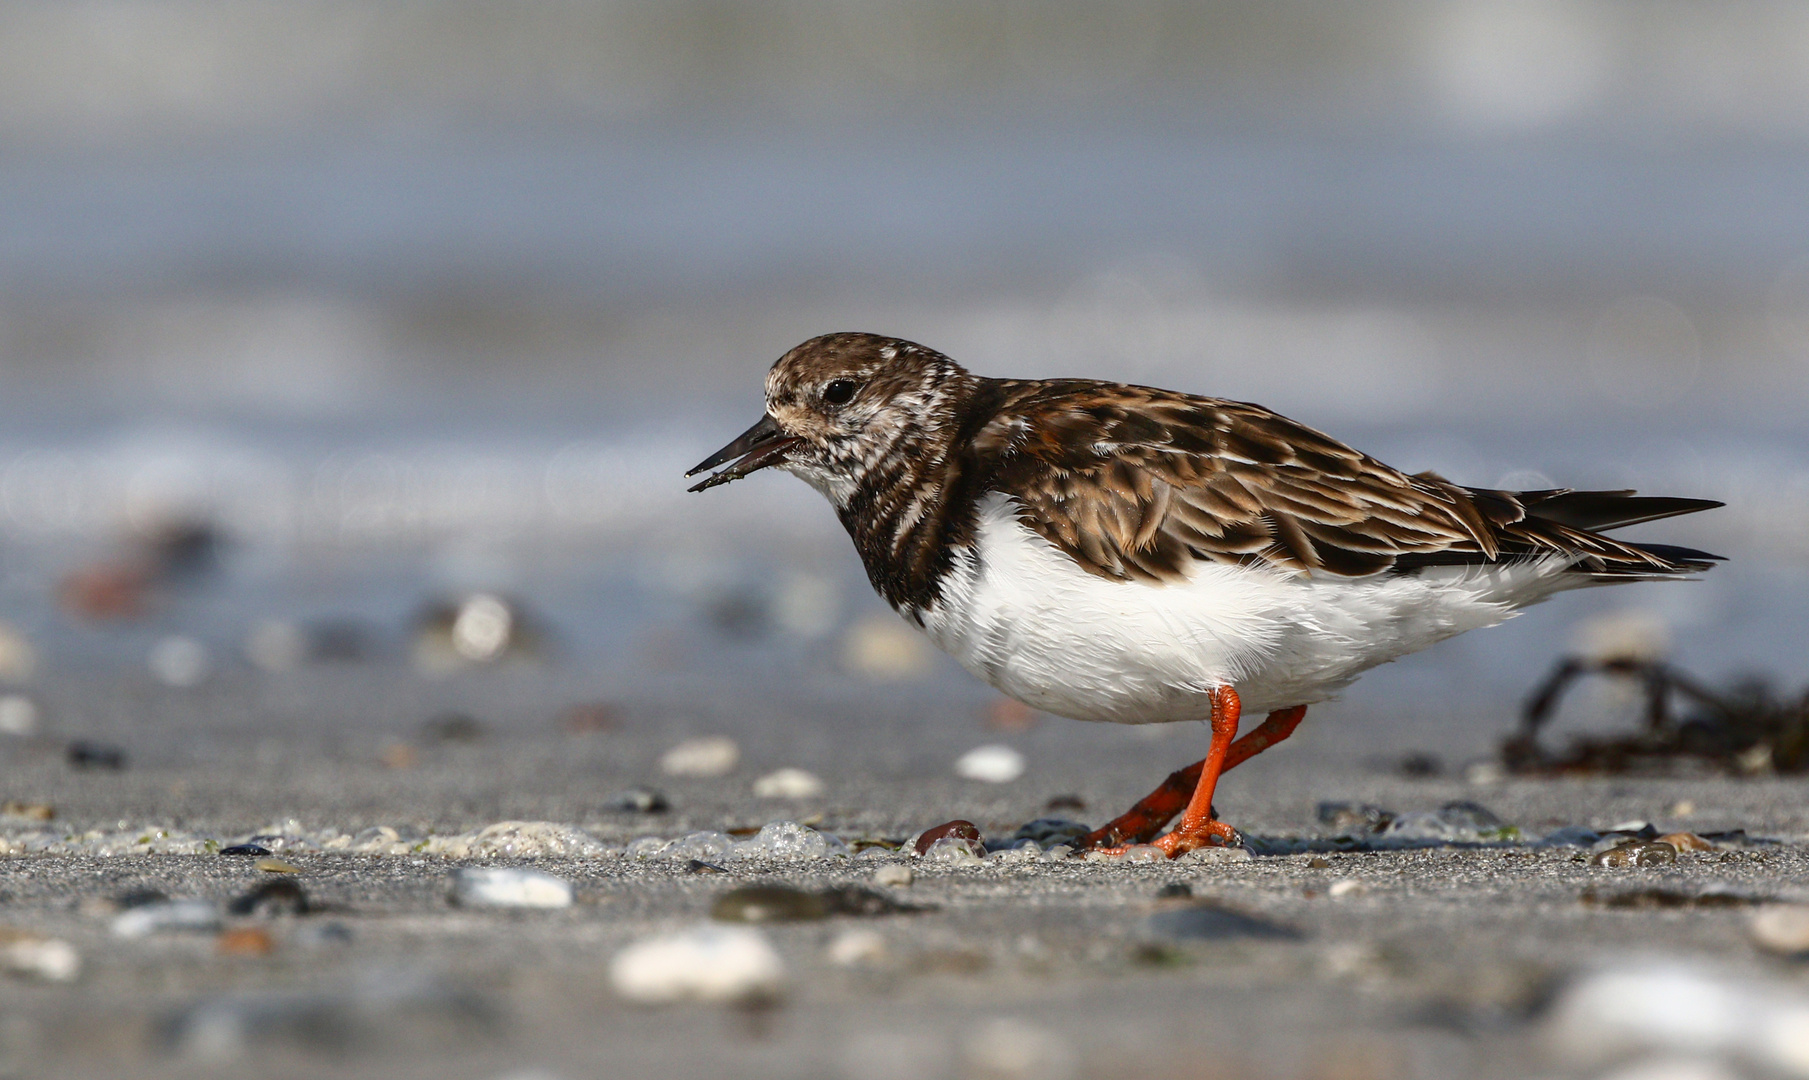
x: 1139, y: 483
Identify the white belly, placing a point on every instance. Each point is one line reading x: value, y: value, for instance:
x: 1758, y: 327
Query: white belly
x: 1022, y: 615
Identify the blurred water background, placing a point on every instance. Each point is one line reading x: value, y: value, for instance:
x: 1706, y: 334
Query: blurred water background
x: 406, y: 301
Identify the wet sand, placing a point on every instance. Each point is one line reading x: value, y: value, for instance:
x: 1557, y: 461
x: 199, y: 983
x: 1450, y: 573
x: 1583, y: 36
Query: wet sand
x: 1437, y: 963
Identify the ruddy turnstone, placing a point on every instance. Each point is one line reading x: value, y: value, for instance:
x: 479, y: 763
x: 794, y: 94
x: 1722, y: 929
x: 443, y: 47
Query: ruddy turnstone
x: 1140, y: 556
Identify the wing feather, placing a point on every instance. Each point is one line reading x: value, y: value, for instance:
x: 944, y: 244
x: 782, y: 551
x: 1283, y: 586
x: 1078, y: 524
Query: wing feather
x: 1137, y: 484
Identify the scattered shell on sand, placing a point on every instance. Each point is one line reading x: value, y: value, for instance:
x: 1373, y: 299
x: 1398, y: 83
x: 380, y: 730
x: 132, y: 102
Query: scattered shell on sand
x: 18, y: 715
x: 482, y: 886
x: 859, y: 947
x: 991, y: 764
x: 894, y: 876
x: 28, y: 954
x: 1636, y: 853
x: 167, y: 916
x: 517, y: 839
x: 1662, y: 1008
x: 1781, y: 929
x: 724, y: 964
x: 955, y: 851
x: 788, y: 783
x: 712, y: 755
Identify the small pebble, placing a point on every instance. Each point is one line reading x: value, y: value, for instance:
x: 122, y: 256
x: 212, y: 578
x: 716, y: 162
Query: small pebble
x: 276, y: 866
x: 955, y: 851
x: 639, y: 800
x: 1047, y: 832
x: 283, y: 896
x: 859, y: 947
x: 1346, y: 887
x: 788, y: 783
x: 18, y: 715
x: 724, y: 964
x: 768, y: 903
x: 713, y: 755
x: 245, y: 941
x: 476, y: 886
x: 1684, y: 841
x: 1210, y: 922
x: 29, y: 811
x: 1636, y: 853
x: 1420, y: 765
x: 698, y: 866
x: 27, y: 954
x: 1318, y: 863
x: 894, y: 876
x: 1683, y: 808
x: 1485, y: 773
x: 179, y: 661
x: 246, y: 850
x: 991, y: 764
x: 1175, y: 890
x: 398, y: 756
x: 167, y: 916
x: 1353, y: 818
x: 1781, y: 928
x: 1456, y: 822
x: 452, y: 727
x: 1144, y: 853
x: 959, y: 828
x: 85, y: 754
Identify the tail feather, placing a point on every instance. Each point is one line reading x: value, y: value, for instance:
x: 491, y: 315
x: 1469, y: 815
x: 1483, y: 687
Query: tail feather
x: 1559, y: 521
x: 1599, y: 511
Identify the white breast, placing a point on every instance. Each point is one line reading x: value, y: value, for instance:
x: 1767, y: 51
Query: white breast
x: 1024, y: 616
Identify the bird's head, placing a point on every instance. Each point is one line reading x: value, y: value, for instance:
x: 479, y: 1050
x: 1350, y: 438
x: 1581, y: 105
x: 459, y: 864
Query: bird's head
x: 840, y: 406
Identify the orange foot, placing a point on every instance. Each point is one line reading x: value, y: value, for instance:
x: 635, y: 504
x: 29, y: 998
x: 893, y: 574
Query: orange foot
x: 1141, y: 823
x: 1209, y: 833
x: 1182, y: 840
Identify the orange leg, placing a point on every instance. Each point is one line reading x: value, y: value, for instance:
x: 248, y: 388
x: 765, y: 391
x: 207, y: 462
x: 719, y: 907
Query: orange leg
x: 1142, y: 822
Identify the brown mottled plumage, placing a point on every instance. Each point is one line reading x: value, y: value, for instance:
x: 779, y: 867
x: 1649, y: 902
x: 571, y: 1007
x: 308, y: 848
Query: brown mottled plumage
x: 1134, y: 555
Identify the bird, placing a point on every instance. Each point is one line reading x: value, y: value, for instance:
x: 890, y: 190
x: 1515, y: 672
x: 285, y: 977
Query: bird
x: 1132, y: 555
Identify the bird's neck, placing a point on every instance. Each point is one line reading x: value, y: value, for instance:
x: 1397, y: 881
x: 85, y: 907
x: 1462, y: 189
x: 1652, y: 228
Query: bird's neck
x: 912, y: 506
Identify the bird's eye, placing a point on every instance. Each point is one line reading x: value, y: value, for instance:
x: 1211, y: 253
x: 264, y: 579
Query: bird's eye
x: 839, y: 392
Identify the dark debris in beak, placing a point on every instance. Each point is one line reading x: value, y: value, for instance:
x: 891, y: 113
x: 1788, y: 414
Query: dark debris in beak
x: 758, y: 447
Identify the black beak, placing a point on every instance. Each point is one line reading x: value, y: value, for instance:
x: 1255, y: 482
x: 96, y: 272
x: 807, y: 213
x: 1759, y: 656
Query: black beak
x: 762, y: 445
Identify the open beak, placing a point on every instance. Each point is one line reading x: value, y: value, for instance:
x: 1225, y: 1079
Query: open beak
x: 762, y: 445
